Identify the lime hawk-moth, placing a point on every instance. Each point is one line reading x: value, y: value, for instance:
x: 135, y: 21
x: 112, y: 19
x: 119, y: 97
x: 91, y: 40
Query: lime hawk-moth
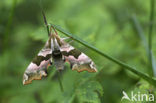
x: 56, y: 51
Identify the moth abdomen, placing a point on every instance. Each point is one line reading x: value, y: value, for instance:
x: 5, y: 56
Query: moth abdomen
x: 58, y: 59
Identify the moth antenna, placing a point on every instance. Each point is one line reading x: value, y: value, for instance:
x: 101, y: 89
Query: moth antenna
x: 54, y: 30
x: 51, y: 32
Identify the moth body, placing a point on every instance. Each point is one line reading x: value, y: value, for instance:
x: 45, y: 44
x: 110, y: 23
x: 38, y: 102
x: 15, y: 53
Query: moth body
x: 56, y: 51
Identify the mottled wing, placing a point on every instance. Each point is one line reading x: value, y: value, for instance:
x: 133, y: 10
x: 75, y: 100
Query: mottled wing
x: 78, y: 60
x: 37, y: 68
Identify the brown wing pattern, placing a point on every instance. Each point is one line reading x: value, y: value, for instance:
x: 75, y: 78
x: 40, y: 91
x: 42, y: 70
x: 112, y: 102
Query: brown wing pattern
x: 78, y: 60
x: 37, y: 68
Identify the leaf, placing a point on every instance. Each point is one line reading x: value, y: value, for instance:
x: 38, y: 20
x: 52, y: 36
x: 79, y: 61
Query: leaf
x: 89, y: 91
x: 142, y: 87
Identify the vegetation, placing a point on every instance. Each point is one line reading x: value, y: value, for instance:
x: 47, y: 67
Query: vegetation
x: 117, y: 34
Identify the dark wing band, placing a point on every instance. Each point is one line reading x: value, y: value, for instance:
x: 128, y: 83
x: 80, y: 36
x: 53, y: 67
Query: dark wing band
x: 38, y: 67
x: 78, y: 60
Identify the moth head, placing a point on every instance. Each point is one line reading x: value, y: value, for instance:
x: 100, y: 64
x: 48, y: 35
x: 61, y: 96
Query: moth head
x: 54, y: 44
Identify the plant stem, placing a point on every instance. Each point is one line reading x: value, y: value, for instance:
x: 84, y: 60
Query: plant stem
x: 151, y: 20
x: 132, y: 69
x: 8, y: 25
x: 59, y: 79
x: 151, y: 24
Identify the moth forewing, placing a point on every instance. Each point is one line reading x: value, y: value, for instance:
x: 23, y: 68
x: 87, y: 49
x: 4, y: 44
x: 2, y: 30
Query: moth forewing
x: 38, y: 67
x: 78, y: 60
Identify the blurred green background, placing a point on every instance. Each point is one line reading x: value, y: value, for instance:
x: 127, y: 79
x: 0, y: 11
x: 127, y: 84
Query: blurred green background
x: 109, y: 25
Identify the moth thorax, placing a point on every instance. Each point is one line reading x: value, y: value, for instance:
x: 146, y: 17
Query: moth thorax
x: 54, y: 45
x: 56, y: 53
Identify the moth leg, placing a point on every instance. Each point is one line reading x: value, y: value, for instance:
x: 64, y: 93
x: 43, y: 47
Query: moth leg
x: 51, y: 62
x: 70, y: 41
x: 66, y: 38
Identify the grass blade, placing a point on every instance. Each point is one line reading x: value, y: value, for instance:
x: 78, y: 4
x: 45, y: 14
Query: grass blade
x: 145, y: 43
x: 140, y: 31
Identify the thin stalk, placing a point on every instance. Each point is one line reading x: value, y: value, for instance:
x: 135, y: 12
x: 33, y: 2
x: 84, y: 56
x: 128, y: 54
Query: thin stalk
x: 9, y: 23
x: 44, y: 18
x: 126, y: 66
x: 151, y: 20
x: 59, y: 79
x: 45, y: 21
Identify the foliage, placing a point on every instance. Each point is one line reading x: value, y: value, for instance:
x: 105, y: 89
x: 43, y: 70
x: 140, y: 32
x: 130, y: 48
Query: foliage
x: 119, y: 28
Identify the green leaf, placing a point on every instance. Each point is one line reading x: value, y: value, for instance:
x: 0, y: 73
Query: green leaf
x: 89, y: 91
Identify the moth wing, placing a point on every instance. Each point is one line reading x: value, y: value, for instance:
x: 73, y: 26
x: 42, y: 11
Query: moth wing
x: 78, y: 60
x: 38, y: 67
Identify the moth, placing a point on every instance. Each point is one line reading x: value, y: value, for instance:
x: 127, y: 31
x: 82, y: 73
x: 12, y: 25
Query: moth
x: 56, y: 51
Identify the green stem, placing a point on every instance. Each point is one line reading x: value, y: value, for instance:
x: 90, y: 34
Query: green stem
x: 150, y: 34
x: 9, y: 23
x: 132, y: 69
x: 151, y: 24
x: 60, y: 82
